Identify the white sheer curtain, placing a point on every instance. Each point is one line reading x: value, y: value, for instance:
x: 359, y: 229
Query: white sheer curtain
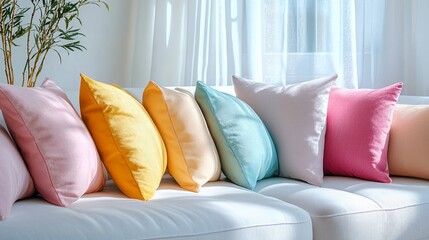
x: 369, y: 43
x: 182, y: 41
x: 393, y: 47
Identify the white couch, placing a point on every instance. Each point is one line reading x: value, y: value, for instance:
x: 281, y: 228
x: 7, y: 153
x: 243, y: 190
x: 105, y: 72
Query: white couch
x: 350, y: 208
x: 278, y: 208
x: 220, y: 211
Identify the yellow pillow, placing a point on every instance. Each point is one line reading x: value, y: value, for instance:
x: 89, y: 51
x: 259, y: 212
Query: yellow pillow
x: 128, y: 142
x: 192, y: 156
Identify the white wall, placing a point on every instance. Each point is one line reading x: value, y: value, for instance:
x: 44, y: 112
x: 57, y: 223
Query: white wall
x: 106, y: 58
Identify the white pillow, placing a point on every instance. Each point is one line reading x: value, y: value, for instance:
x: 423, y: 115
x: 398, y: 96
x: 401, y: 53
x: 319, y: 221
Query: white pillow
x: 295, y: 116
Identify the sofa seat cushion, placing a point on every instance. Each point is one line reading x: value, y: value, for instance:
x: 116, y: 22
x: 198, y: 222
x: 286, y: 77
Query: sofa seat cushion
x: 405, y: 203
x: 221, y: 210
x: 350, y: 208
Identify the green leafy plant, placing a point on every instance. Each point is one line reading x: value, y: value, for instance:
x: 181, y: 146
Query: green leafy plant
x: 45, y: 25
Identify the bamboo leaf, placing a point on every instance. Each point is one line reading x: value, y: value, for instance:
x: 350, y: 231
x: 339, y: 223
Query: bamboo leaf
x: 106, y: 6
x: 50, y: 28
x: 58, y: 54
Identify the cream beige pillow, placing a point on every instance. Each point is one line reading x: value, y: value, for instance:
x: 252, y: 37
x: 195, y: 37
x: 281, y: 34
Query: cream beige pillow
x: 409, y: 142
x: 192, y: 158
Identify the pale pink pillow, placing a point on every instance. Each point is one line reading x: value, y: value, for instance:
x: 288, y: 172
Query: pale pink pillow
x: 295, y: 116
x: 54, y: 142
x: 15, y: 181
x: 357, y: 132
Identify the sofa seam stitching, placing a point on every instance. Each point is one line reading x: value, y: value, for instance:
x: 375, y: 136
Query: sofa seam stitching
x: 229, y: 230
x: 371, y: 211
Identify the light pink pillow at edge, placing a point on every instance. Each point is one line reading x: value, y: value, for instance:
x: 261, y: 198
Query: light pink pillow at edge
x: 357, y: 132
x: 54, y: 142
x: 15, y: 181
x: 409, y: 142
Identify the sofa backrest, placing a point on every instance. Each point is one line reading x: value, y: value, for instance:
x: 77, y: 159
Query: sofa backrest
x: 137, y: 93
x: 414, y: 100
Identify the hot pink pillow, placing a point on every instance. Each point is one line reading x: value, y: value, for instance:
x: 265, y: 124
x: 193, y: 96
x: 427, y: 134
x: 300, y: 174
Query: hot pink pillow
x: 15, y: 181
x: 357, y: 132
x: 54, y: 142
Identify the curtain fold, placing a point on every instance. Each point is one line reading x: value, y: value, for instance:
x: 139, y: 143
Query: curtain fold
x: 369, y: 43
x: 392, y: 44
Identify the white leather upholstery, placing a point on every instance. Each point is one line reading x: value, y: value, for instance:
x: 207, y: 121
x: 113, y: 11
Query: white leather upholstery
x: 350, y: 208
x: 344, y: 208
x: 220, y: 211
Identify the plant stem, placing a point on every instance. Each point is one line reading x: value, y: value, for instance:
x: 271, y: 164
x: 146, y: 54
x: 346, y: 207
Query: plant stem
x: 29, y: 50
x: 42, y: 30
x: 10, y: 41
x: 42, y: 48
x: 4, y: 44
x: 7, y: 42
x: 52, y: 30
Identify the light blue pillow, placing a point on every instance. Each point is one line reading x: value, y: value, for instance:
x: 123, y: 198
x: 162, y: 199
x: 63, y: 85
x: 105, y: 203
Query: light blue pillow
x: 245, y: 147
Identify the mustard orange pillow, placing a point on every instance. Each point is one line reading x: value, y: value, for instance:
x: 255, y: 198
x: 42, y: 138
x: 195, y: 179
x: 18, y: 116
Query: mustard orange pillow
x: 192, y: 156
x: 126, y: 137
x: 408, y: 153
